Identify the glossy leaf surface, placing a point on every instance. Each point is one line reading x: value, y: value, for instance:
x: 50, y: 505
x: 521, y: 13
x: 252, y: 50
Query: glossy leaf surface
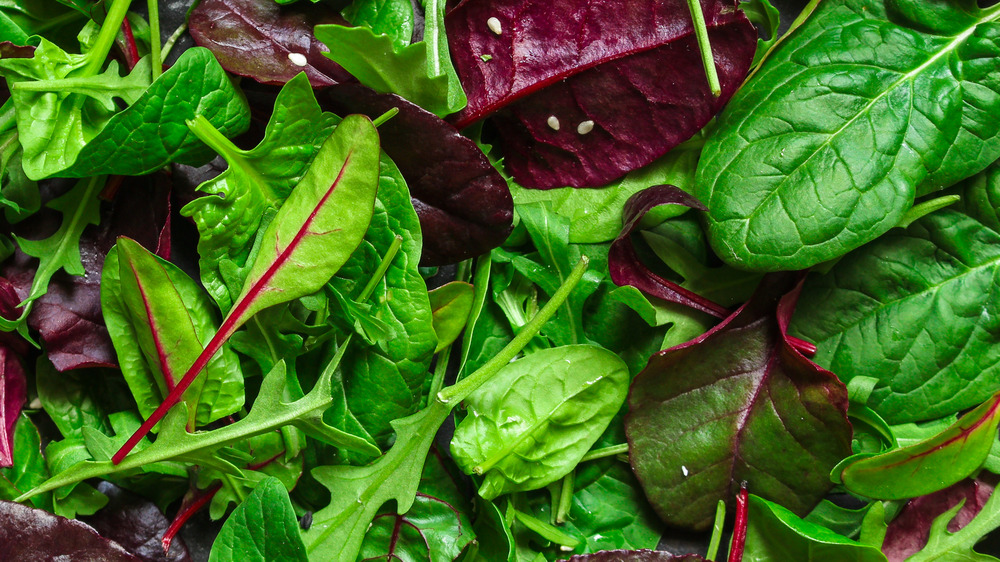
x: 862, y: 108
x: 644, y: 555
x: 631, y: 70
x: 451, y: 304
x: 262, y: 528
x: 775, y: 420
x: 33, y: 534
x: 430, y: 530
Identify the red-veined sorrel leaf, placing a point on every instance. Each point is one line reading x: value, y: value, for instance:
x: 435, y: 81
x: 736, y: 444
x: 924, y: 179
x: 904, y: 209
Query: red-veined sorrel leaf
x: 317, y: 229
x: 738, y: 403
x: 33, y: 534
x: 430, y: 530
x: 255, y: 38
x: 643, y: 555
x: 928, y: 466
x: 908, y: 532
x: 464, y: 205
x: 583, y: 92
x: 13, y: 392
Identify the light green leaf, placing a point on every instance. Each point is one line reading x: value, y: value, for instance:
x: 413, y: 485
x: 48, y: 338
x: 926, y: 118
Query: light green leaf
x: 261, y: 529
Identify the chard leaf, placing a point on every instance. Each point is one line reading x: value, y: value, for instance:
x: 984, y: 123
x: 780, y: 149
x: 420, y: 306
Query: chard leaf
x: 775, y: 533
x: 534, y: 421
x: 628, y: 71
x: 807, y: 164
x: 230, y: 215
x: 320, y: 225
x: 430, y: 530
x: 160, y: 320
x: 262, y: 528
x: 451, y: 305
x: 33, y: 534
x: 913, y: 309
x: 776, y: 420
x: 927, y: 466
x: 254, y: 38
x: 907, y: 533
x: 13, y: 394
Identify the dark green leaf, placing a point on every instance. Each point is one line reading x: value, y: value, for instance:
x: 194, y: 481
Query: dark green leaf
x: 430, y: 530
x: 262, y: 528
x: 29, y: 469
x: 67, y: 399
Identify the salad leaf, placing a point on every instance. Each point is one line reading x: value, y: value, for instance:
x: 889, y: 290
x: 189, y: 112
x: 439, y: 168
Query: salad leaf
x: 942, y: 544
x: 907, y: 533
x: 609, y: 74
x: 806, y: 165
x: 768, y: 401
x: 394, y: 18
x: 29, y: 470
x: 451, y: 304
x: 262, y: 528
x: 33, y: 534
x: 136, y: 524
x: 430, y: 530
x: 643, y: 555
x: 13, y: 394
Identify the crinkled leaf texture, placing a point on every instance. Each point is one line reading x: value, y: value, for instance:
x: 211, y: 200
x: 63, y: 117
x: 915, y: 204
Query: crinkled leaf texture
x: 33, y: 534
x: 532, y: 423
x: 738, y: 403
x: 464, y: 204
x: 261, y: 529
x: 13, y: 393
x: 631, y: 70
x: 907, y: 533
x: 919, y: 309
x: 254, y: 38
x: 851, y: 117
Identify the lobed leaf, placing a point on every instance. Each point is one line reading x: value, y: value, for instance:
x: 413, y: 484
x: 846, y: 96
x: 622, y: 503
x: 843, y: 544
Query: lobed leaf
x: 907, y: 533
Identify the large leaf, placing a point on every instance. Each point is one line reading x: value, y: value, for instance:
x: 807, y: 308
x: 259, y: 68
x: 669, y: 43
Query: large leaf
x: 807, y: 164
x: 33, y: 534
x: 464, y: 204
x: 534, y: 421
x: 254, y: 38
x: 630, y: 71
x: 738, y: 403
x: 13, y: 393
x: 262, y: 528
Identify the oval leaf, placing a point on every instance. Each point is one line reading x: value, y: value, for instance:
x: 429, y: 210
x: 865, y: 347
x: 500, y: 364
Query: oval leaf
x: 532, y: 423
x: 451, y: 304
x: 261, y: 529
x: 33, y: 534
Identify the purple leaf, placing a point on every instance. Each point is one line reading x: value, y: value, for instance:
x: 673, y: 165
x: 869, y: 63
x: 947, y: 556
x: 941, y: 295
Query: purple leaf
x: 908, y: 532
x: 136, y: 524
x: 630, y: 72
x: 13, y: 393
x: 738, y: 403
x: 68, y: 317
x: 254, y: 38
x: 33, y: 534
x: 643, y: 555
x: 464, y: 204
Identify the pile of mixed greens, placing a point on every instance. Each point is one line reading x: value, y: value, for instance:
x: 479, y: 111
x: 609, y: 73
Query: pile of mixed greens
x: 711, y: 279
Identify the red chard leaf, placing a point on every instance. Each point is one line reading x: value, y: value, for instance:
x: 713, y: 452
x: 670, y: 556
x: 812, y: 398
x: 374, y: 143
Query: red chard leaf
x: 33, y: 534
x: 269, y: 43
x: 623, y: 81
x: 13, y: 393
x: 775, y: 420
x: 908, y: 532
x: 464, y: 205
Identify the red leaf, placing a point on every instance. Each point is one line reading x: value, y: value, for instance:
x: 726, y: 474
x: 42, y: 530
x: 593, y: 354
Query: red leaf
x: 13, y: 393
x: 631, y: 69
x: 33, y: 534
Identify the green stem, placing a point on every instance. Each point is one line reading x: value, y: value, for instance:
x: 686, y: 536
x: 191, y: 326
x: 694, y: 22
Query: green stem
x: 106, y: 37
x: 565, y: 498
x: 208, y: 134
x: 546, y: 531
x: 707, y: 60
x: 461, y: 390
x: 720, y: 520
x: 385, y: 116
x: 171, y: 41
x: 605, y: 452
x: 440, y: 370
x: 383, y: 266
x: 154, y: 37
x: 8, y: 120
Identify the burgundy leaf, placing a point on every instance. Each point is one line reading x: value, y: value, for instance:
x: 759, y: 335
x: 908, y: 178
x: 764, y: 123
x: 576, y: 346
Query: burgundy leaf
x: 623, y: 80
x: 9, y: 50
x: 136, y: 524
x: 643, y: 555
x: 739, y: 540
x: 738, y: 403
x: 464, y: 204
x: 908, y: 532
x: 68, y: 317
x: 254, y: 38
x: 33, y: 534
x: 13, y: 393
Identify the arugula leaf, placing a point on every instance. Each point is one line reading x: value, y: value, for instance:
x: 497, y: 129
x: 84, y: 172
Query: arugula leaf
x: 908, y: 532
x: 262, y: 528
x: 945, y: 545
x: 430, y: 530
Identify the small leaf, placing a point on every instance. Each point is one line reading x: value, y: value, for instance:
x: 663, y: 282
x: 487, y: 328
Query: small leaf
x: 907, y: 533
x: 29, y: 468
x: 928, y: 466
x: 262, y: 528
x: 643, y: 555
x: 33, y: 534
x: 430, y: 530
x: 451, y: 304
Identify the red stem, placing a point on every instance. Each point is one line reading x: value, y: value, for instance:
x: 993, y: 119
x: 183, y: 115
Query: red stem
x: 186, y: 512
x: 803, y: 347
x: 740, y: 528
x: 131, y: 50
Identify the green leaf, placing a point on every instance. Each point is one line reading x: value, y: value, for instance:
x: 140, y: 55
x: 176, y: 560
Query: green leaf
x: 927, y: 466
x: 152, y: 132
x: 68, y: 400
x: 438, y: 54
x: 229, y: 216
x: 19, y: 195
x: 767, y: 19
x: 29, y: 468
x: 416, y: 72
x: 160, y: 320
x: 775, y: 533
x: 262, y: 528
x: 385, y: 17
x: 534, y: 421
x: 23, y: 18
x: 945, y: 546
x: 848, y: 120
x: 430, y: 530
x: 451, y: 304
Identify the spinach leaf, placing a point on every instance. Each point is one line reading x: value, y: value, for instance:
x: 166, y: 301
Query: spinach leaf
x: 262, y: 528
x: 393, y: 18
x: 864, y: 107
x: 534, y: 421
x: 30, y: 469
x: 451, y: 304
x: 430, y: 530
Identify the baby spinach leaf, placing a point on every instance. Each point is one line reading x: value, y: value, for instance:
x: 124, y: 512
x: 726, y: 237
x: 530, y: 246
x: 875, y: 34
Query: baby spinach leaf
x: 385, y: 17
x: 33, y: 534
x: 623, y: 84
x: 908, y: 532
x: 254, y: 38
x: 159, y: 320
x: 69, y: 401
x: 643, y: 555
x: 13, y: 394
x: 775, y: 533
x: 776, y: 420
x: 910, y: 309
x: 430, y: 530
x: 29, y: 469
x: 257, y: 179
x: 320, y: 225
x: 534, y: 421
x: 927, y: 466
x: 451, y: 304
x: 806, y: 164
x: 261, y: 528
